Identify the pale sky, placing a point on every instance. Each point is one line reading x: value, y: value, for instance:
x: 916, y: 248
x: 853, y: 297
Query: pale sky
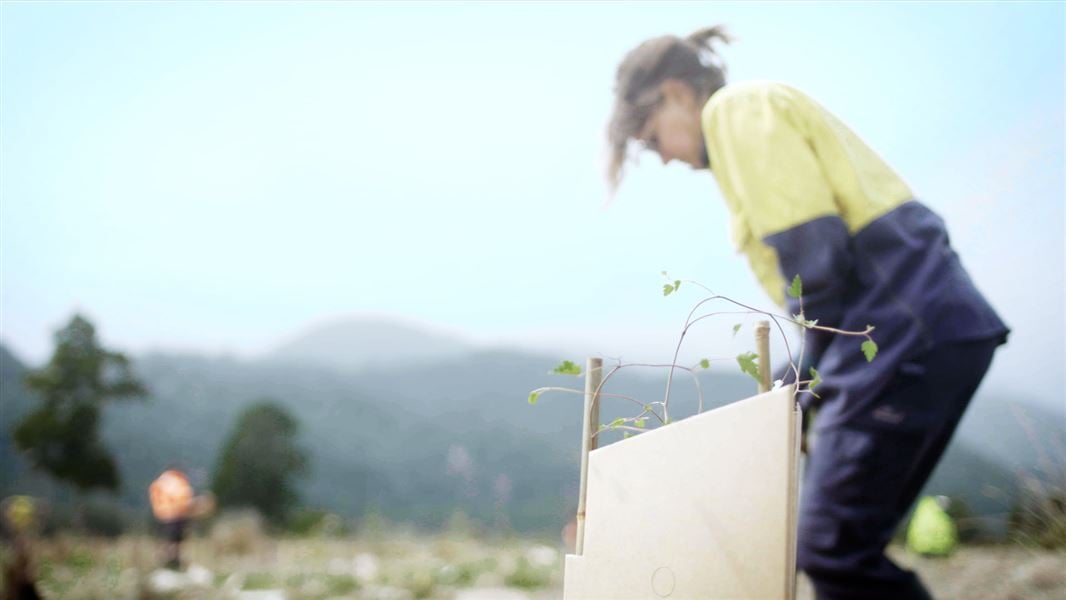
x: 217, y: 177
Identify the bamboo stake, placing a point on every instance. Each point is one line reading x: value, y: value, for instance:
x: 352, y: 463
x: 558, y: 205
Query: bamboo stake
x: 593, y: 377
x: 762, y: 344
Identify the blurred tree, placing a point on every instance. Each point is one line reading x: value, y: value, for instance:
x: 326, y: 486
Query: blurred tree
x: 259, y: 461
x: 61, y: 435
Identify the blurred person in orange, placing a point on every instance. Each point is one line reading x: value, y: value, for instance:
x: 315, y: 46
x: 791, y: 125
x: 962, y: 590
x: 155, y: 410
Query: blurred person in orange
x: 174, y: 505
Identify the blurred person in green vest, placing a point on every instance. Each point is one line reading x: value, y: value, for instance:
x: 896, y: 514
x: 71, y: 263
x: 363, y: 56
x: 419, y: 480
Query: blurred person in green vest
x: 21, y: 519
x: 932, y: 531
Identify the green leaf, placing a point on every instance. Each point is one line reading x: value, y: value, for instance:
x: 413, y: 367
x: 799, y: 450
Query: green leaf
x: 705, y: 364
x: 796, y: 289
x: 668, y: 289
x: 626, y: 435
x: 736, y: 328
x: 677, y: 285
x: 816, y: 380
x: 533, y: 396
x: 869, y: 348
x: 748, y: 364
x: 567, y: 368
x: 617, y: 422
x: 640, y: 422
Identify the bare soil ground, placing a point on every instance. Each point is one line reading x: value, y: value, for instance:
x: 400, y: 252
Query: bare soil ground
x: 457, y: 568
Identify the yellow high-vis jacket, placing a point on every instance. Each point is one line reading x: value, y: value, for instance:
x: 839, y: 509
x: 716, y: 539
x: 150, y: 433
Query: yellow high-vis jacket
x: 808, y: 197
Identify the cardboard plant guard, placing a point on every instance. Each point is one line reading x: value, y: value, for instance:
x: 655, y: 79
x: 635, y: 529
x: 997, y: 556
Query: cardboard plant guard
x: 702, y: 508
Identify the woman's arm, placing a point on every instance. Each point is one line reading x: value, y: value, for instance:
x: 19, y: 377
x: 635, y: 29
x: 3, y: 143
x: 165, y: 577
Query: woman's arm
x: 773, y: 179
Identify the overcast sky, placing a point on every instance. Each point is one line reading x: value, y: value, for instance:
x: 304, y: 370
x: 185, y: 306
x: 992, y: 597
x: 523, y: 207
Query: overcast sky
x: 217, y: 177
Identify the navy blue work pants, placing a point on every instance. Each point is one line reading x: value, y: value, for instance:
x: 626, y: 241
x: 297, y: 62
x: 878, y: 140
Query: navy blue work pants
x: 863, y: 475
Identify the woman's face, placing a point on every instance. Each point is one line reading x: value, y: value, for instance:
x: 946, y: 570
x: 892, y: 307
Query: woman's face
x: 673, y: 128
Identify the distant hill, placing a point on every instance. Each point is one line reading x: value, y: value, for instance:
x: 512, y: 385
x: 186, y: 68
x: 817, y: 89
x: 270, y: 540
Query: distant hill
x: 1014, y: 432
x: 15, y: 401
x: 416, y: 440
x: 412, y: 443
x: 998, y: 441
x: 361, y: 341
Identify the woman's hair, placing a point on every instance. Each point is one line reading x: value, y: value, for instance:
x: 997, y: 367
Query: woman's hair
x: 691, y: 59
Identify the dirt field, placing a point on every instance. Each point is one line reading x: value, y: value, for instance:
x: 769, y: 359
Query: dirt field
x: 985, y: 572
x: 457, y: 568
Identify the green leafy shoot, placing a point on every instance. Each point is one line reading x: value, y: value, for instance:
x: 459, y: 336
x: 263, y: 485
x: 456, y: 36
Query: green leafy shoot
x: 567, y: 368
x: 748, y: 362
x: 796, y: 289
x: 816, y: 380
x: 802, y: 320
x: 670, y: 288
x: 640, y: 422
x: 705, y: 364
x: 617, y: 422
x: 869, y: 348
x: 533, y: 396
x: 736, y: 328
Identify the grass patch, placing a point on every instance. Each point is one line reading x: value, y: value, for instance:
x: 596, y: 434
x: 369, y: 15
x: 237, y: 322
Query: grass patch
x: 259, y: 581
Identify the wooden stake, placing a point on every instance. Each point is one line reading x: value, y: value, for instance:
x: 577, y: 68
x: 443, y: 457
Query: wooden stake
x: 593, y: 377
x: 762, y: 344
